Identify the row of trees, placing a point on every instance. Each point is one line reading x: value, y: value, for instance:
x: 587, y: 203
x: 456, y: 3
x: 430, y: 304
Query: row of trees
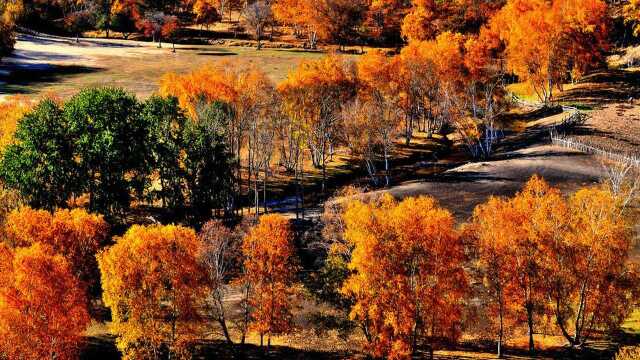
x: 104, y: 147
x: 405, y: 274
x: 163, y: 284
x: 535, y: 259
x: 452, y: 83
x: 341, y: 22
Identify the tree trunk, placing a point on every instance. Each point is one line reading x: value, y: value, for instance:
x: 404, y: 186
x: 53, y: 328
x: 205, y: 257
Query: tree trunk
x: 530, y: 324
x: 501, y: 331
x: 264, y: 186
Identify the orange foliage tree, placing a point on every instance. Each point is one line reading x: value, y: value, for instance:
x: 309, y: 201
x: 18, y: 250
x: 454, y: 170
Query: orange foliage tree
x: 542, y: 254
x: 269, y: 270
x: 154, y: 284
x: 592, y: 283
x: 329, y: 20
x: 431, y: 76
x: 43, y: 312
x: 548, y: 40
x: 407, y: 277
x: 75, y: 234
x: 313, y: 94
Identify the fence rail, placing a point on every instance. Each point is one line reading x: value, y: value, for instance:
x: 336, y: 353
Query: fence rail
x: 589, y: 149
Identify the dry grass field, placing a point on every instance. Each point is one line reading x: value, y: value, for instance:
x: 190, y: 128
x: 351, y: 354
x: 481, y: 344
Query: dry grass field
x: 60, y: 66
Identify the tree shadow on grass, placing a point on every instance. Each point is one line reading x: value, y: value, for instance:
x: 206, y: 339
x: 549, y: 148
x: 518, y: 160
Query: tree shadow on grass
x: 221, y: 350
x: 19, y: 78
x: 100, y: 348
x: 103, y: 348
x: 604, y: 87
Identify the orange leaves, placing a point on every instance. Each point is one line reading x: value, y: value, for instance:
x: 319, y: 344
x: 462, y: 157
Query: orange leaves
x: 269, y: 269
x: 568, y: 258
x: 407, y: 275
x: 154, y: 285
x: 208, y: 83
x: 75, y: 234
x: 329, y: 76
x: 545, y: 40
x: 241, y: 86
x: 43, y: 310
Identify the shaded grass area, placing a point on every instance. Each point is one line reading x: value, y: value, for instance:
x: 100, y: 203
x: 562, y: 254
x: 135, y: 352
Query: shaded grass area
x: 31, y: 79
x: 103, y: 348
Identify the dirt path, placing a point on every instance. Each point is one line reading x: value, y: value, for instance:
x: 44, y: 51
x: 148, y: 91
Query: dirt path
x: 464, y: 187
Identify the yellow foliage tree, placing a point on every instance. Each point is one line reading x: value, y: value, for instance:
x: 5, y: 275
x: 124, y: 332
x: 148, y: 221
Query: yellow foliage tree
x: 154, y: 285
x: 408, y: 281
x: 11, y: 111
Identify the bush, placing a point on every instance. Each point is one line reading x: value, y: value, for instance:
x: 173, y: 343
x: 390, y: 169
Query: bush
x: 628, y: 353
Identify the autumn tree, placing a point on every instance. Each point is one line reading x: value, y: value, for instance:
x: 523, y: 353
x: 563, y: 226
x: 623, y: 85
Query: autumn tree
x: 384, y: 19
x: 9, y: 12
x: 11, y: 111
x: 492, y: 233
x: 400, y: 303
x: 206, y: 13
x: 314, y: 93
x: 550, y: 42
x: 170, y: 30
x: 221, y: 259
x: 269, y: 259
x: 257, y: 16
x: 155, y: 286
x: 329, y: 20
x: 43, y: 313
x: 80, y: 19
x: 379, y: 88
x: 546, y: 255
x: 76, y: 234
x: 430, y: 75
x: 368, y: 129
x: 632, y: 15
x: 592, y: 283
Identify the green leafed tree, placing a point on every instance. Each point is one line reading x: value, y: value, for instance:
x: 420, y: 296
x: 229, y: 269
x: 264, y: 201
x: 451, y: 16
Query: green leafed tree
x: 39, y: 164
x: 108, y: 137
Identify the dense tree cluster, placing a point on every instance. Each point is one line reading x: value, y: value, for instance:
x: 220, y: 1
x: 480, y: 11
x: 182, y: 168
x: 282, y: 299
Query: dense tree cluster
x: 402, y: 269
x: 105, y: 145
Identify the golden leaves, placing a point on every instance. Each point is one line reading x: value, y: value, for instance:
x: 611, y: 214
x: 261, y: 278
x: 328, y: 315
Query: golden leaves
x: 154, y: 285
x: 407, y: 271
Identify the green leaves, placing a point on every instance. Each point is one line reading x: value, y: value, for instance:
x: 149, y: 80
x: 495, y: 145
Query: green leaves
x: 106, y: 144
